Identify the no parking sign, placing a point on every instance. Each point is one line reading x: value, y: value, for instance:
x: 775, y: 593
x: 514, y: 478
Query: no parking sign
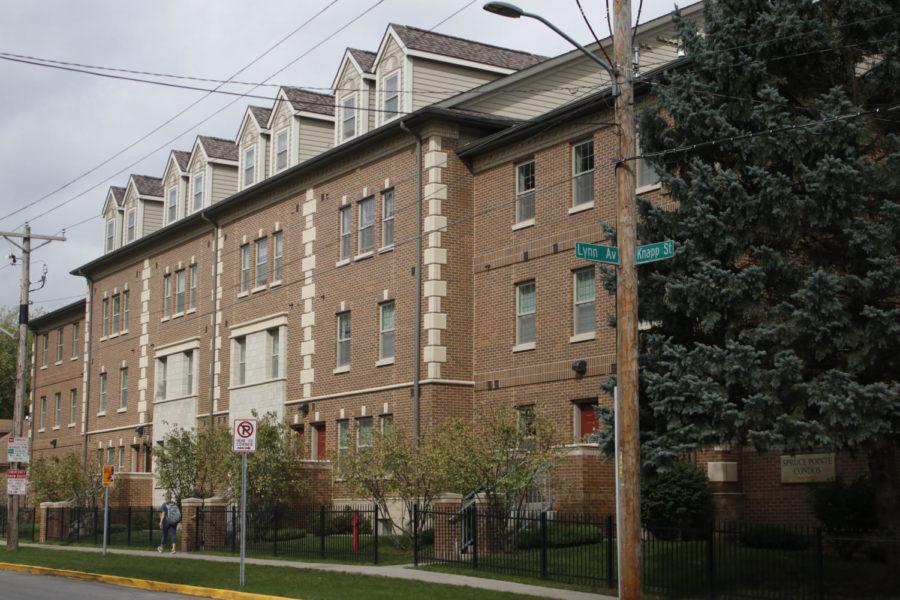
x: 243, y: 438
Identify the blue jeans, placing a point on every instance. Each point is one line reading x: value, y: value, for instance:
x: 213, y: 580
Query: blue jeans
x: 167, y: 527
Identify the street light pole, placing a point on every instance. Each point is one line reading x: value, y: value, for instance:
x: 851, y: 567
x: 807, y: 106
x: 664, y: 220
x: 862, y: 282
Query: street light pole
x: 628, y: 460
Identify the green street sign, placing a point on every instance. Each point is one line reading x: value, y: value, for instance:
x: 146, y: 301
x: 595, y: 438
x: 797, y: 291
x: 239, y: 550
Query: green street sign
x: 597, y: 253
x: 654, y: 252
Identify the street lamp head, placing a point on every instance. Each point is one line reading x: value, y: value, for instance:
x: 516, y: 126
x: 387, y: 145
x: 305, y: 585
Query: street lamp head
x: 504, y: 9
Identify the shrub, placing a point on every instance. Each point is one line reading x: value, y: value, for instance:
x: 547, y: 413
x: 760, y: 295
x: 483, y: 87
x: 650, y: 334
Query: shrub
x: 676, y: 501
x: 426, y: 537
x: 559, y: 536
x: 773, y: 537
x: 843, y: 507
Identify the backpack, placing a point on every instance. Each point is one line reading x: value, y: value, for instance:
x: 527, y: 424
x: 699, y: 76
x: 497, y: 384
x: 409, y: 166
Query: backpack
x: 173, y: 515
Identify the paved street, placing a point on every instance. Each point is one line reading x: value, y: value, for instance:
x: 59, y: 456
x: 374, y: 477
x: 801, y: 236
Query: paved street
x: 22, y: 586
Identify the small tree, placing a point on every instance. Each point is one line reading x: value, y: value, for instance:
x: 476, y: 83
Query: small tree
x: 63, y: 480
x: 273, y: 471
x: 395, y: 467
x: 193, y: 464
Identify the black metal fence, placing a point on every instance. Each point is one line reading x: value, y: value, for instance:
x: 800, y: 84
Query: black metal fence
x: 28, y: 526
x: 725, y: 561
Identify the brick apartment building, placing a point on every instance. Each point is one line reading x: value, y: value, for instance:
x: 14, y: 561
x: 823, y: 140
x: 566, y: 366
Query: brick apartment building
x: 280, y: 272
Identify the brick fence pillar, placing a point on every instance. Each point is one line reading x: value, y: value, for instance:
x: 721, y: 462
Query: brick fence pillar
x: 51, y: 517
x: 203, y: 524
x: 447, y: 526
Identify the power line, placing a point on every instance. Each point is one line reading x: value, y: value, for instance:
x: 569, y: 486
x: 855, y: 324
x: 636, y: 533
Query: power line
x: 167, y: 121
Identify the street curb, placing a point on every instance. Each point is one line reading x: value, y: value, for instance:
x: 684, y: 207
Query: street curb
x: 142, y: 584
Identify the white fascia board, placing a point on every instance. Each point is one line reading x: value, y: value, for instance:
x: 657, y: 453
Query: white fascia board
x: 389, y: 33
x: 311, y: 115
x: 194, y: 154
x: 460, y: 62
x: 348, y: 58
x: 222, y: 161
x: 248, y: 115
x: 279, y: 98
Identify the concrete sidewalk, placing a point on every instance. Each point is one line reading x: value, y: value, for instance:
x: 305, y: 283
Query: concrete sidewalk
x: 397, y: 572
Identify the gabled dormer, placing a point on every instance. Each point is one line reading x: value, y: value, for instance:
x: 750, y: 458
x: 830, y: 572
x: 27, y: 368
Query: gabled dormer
x: 301, y: 126
x: 142, y: 207
x: 253, y: 146
x: 213, y: 172
x: 354, y: 93
x: 112, y: 218
x: 175, y: 185
x: 414, y: 68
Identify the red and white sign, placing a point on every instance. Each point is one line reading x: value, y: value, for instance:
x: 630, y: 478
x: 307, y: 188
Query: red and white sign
x: 243, y: 437
x: 16, y: 482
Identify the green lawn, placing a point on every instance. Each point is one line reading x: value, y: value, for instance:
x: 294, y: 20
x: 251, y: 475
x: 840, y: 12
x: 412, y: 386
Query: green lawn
x: 279, y: 581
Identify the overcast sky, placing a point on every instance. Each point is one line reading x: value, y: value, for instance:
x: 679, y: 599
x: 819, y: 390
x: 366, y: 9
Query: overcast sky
x: 59, y: 125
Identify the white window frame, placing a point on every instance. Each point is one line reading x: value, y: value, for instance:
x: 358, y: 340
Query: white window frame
x: 642, y: 169
x: 348, y: 106
x: 123, y: 388
x: 343, y: 435
x: 43, y: 413
x: 197, y: 193
x: 523, y: 314
x: 277, y: 255
x: 110, y: 234
x: 344, y: 346
x: 527, y: 194
x: 194, y: 285
x: 172, y: 205
x: 262, y: 265
x: 116, y: 321
x: 76, y: 334
x: 366, y: 229
x: 274, y: 342
x: 390, y: 113
x: 121, y: 452
x: 371, y: 425
x: 345, y: 220
x: 386, y: 422
x: 385, y: 333
x: 73, y: 406
x: 180, y: 291
x: 248, y: 173
x: 130, y: 224
x: 388, y: 199
x: 245, y: 267
x: 167, y: 294
x: 282, y: 150
x: 60, y: 333
x: 240, y: 361
x: 126, y: 296
x: 187, y: 373
x: 57, y: 409
x: 104, y: 309
x: 162, y: 373
x: 585, y: 175
x: 576, y: 334
x: 104, y: 392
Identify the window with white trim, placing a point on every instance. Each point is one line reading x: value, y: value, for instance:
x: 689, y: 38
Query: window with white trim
x: 525, y: 427
x: 647, y: 175
x: 343, y: 431
x: 162, y: 373
x: 583, y: 173
x: 179, y: 291
x: 116, y: 314
x: 387, y: 219
x: 343, y: 339
x: 245, y: 267
x: 526, y: 308
x: 187, y: 373
x: 525, y: 191
x: 104, y: 398
x: 281, y: 150
x: 167, y: 294
x: 59, y: 343
x: 123, y: 388
x: 240, y: 361
x: 57, y: 409
x: 262, y: 261
x: 126, y: 296
x: 45, y: 349
x: 172, y: 205
x: 274, y: 336
x: 73, y: 406
x: 198, y: 192
x: 387, y: 424
x: 366, y: 225
x: 364, y: 433
x: 391, y: 86
x: 105, y: 311
x: 386, y: 330
x: 277, y: 254
x: 121, y: 458
x: 346, y: 221
x: 110, y: 235
x: 249, y: 166
x: 43, y: 412
x: 131, y: 224
x: 76, y: 335
x: 348, y: 117
x: 194, y: 283
x: 584, y: 300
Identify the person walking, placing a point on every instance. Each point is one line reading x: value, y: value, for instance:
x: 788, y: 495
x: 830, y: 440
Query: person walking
x: 169, y: 518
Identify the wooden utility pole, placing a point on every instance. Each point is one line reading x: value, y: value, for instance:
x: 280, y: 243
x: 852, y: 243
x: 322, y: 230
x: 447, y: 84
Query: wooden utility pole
x: 628, y: 459
x: 12, y: 510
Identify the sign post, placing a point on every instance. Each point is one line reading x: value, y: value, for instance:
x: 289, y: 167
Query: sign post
x: 107, y: 481
x: 243, y: 440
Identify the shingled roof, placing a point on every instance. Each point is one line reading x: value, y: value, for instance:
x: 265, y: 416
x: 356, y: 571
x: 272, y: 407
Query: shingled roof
x: 219, y: 147
x: 365, y: 58
x: 454, y: 47
x: 118, y: 194
x: 261, y: 114
x: 305, y: 100
x: 148, y: 186
x: 182, y: 158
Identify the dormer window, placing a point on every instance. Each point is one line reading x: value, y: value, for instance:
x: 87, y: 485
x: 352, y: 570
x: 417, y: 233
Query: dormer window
x: 249, y: 166
x: 391, y: 86
x: 281, y: 150
x: 348, y: 117
x: 110, y: 234
x: 172, y: 204
x: 130, y: 219
x: 198, y: 192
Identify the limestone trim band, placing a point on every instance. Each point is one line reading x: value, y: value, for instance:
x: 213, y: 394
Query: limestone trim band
x: 383, y: 388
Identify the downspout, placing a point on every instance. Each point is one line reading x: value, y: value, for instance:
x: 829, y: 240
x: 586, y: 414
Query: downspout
x: 417, y: 370
x: 86, y: 377
x: 215, y: 325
